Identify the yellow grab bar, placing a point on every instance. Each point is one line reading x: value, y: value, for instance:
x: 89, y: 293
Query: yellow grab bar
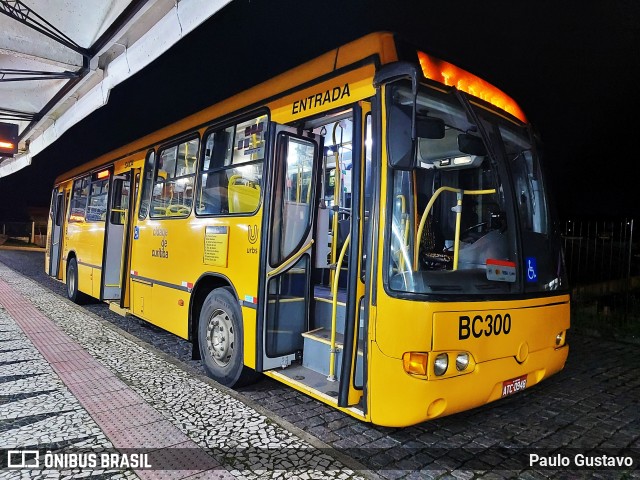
x: 291, y: 260
x: 425, y: 214
x: 334, y: 311
x: 337, y: 197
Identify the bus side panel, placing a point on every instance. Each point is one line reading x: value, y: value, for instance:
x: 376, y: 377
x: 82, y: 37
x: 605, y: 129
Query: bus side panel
x: 163, y: 252
x: 170, y: 255
x: 86, y: 239
x: 170, y: 309
x: 140, y: 299
x: 85, y: 279
x: 249, y: 317
x: 141, y: 273
x: 236, y: 258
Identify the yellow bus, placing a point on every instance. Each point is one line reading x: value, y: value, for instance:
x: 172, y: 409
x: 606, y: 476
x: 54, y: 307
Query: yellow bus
x: 370, y: 228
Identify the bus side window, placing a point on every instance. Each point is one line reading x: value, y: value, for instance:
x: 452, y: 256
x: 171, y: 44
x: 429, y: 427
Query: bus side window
x: 147, y: 185
x: 212, y: 198
x: 79, y: 197
x: 231, y: 169
x: 173, y: 187
x: 59, y: 212
x: 97, y: 204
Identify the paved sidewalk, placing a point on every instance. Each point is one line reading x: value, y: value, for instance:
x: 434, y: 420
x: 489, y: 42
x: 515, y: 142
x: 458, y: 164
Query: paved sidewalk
x: 69, y: 381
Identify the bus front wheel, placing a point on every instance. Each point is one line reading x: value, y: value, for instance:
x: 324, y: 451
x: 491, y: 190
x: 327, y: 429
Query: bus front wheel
x: 220, y: 339
x: 75, y: 295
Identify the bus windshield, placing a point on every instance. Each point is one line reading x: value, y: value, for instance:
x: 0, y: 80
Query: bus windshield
x: 471, y: 217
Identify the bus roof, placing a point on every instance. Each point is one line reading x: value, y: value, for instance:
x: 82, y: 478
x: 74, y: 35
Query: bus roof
x: 378, y: 47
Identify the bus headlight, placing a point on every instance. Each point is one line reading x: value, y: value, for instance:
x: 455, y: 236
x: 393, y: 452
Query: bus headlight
x: 560, y: 338
x: 462, y: 361
x: 441, y: 364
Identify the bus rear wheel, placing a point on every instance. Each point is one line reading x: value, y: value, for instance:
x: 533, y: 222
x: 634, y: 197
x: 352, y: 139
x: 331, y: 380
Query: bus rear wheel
x: 75, y: 295
x: 220, y: 339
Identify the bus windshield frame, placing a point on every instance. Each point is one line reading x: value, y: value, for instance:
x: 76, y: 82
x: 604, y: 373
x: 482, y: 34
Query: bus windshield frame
x: 471, y: 218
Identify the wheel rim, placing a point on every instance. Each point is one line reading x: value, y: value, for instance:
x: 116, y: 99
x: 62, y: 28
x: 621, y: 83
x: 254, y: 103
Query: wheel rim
x: 220, y: 337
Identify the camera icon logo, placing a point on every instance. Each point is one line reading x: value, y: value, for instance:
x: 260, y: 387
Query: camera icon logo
x: 23, y: 459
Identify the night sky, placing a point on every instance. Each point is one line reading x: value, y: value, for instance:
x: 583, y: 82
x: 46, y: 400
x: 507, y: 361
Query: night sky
x: 572, y: 66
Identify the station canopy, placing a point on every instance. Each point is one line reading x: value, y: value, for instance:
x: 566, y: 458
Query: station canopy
x: 60, y: 59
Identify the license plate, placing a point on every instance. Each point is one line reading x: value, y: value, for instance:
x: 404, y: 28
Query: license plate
x: 509, y: 387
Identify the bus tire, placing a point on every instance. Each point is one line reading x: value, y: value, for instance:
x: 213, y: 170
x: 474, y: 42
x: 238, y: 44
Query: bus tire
x: 220, y: 339
x: 73, y: 294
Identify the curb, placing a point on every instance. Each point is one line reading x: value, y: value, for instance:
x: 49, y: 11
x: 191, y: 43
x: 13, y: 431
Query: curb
x: 23, y: 249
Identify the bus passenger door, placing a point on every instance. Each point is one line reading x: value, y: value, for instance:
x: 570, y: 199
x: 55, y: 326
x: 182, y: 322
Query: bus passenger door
x: 57, y: 220
x: 285, y: 277
x: 115, y: 234
x: 353, y: 381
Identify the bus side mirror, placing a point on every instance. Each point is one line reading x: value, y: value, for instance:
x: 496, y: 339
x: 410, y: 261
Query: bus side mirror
x: 471, y: 145
x: 401, y: 147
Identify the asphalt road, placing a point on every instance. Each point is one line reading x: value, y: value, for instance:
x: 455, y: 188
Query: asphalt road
x: 591, y: 408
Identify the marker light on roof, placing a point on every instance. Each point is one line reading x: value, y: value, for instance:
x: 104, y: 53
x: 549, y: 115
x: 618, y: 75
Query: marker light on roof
x: 452, y: 76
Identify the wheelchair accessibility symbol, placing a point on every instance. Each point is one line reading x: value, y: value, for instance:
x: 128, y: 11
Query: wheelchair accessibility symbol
x: 532, y: 270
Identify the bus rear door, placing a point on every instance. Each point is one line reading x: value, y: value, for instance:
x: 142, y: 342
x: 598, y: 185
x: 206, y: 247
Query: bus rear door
x: 117, y: 227
x: 57, y: 220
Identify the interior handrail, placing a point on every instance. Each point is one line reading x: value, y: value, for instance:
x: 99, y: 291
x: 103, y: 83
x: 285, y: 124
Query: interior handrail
x: 334, y: 311
x: 425, y: 214
x: 291, y: 260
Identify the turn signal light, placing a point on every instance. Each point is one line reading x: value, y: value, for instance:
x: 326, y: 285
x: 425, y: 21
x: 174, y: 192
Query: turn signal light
x: 415, y: 362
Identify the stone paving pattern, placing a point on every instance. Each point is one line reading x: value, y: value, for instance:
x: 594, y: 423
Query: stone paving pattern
x: 157, y: 405
x: 36, y: 408
x: 591, y: 406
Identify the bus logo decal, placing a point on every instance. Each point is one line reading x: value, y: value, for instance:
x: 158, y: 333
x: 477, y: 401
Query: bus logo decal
x: 253, y: 234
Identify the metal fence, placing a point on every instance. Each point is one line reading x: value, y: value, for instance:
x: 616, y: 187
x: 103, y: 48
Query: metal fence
x: 603, y: 265
x: 599, y: 251
x: 23, y: 232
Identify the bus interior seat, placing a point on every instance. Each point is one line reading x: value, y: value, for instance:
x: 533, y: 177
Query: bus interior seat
x: 243, y: 195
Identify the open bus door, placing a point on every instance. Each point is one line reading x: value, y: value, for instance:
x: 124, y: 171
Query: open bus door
x: 57, y: 224
x: 285, y: 280
x: 121, y: 200
x: 352, y: 385
x: 298, y: 311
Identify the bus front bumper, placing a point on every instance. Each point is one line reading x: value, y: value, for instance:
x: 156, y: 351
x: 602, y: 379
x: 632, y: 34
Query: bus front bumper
x: 397, y: 398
